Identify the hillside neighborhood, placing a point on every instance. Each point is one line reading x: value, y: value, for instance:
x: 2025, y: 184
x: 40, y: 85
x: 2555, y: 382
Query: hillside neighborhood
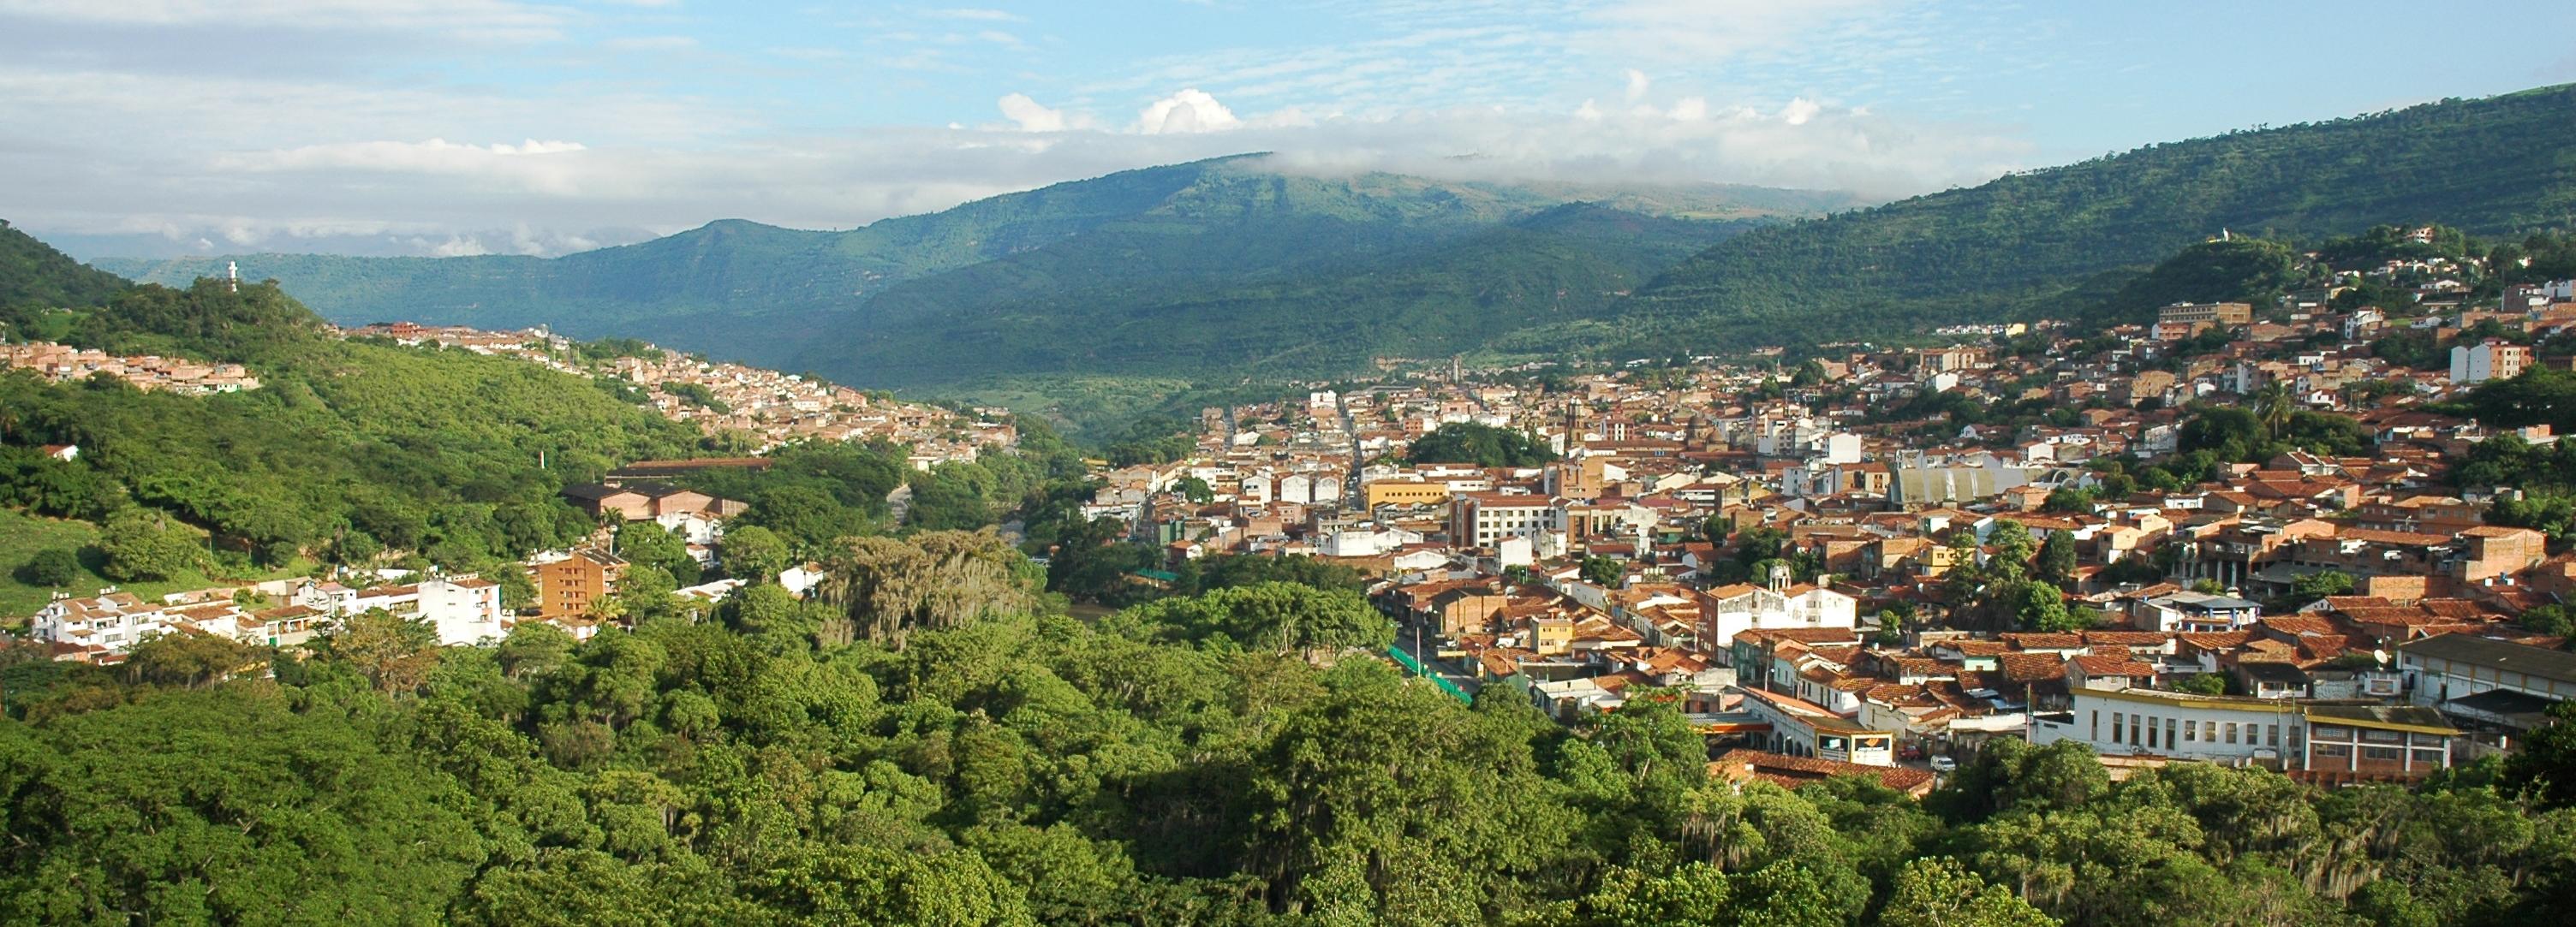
x: 1813, y: 556
x: 1873, y: 560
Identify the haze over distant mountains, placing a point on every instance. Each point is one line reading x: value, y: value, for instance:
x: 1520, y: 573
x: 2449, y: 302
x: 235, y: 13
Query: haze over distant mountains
x: 1159, y: 234
x: 1227, y: 269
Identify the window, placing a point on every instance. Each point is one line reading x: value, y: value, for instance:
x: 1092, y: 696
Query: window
x: 2190, y: 730
x: 2209, y: 731
x: 2336, y: 750
x: 2151, y: 733
x: 2133, y: 730
x: 2169, y: 734
x: 2385, y: 737
x: 2272, y: 735
x: 2231, y: 732
x: 2115, y: 727
x: 2385, y: 754
x: 2096, y: 720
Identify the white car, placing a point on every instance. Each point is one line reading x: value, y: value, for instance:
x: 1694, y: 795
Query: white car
x: 1943, y: 764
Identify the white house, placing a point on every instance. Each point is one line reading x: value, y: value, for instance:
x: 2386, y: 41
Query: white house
x: 2178, y: 725
x: 1732, y: 610
x: 465, y: 610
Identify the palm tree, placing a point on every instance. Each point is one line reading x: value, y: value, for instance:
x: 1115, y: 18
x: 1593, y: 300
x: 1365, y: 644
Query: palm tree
x: 2272, y: 409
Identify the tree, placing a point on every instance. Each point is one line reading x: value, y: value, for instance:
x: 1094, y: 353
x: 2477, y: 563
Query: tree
x: 2552, y: 619
x: 56, y: 566
x: 2038, y: 606
x: 646, y: 544
x: 2013, y: 550
x: 2057, y: 557
x: 1196, y: 490
x: 2545, y: 767
x: 754, y: 554
x: 886, y: 587
x: 393, y: 652
x: 2202, y: 684
x: 1481, y: 445
x: 141, y: 544
x: 1938, y: 892
x: 1276, y: 617
x: 2318, y: 585
x: 2069, y: 499
x: 1604, y: 571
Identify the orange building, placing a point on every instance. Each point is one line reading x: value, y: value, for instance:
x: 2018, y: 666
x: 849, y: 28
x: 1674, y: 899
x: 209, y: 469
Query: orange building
x: 566, y: 587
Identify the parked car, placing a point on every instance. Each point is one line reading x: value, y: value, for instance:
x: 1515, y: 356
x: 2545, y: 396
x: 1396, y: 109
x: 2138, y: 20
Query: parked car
x: 1943, y: 764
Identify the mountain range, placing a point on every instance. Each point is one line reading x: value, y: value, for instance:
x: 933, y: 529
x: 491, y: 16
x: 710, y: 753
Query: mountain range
x: 1158, y: 235
x: 1233, y: 269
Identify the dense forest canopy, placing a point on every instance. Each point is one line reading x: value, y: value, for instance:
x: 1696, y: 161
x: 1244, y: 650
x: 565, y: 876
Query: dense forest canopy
x: 347, y: 451
x: 2018, y: 246
x: 894, y: 754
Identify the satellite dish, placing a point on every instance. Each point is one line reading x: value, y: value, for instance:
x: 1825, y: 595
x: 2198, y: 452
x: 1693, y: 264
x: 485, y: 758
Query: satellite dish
x: 2380, y: 655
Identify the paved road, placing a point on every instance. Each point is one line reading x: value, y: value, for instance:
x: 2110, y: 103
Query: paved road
x: 1448, y: 670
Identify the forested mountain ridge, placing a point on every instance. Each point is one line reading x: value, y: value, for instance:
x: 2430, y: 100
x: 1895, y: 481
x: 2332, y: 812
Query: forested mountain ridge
x: 1181, y: 301
x: 33, y: 276
x: 2016, y: 246
x: 742, y: 289
x: 347, y: 452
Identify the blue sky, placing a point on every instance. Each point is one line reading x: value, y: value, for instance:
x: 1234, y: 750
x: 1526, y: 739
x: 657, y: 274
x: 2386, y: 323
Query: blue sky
x: 500, y: 126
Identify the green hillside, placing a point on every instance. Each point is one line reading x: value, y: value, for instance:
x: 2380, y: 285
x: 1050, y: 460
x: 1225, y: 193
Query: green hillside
x: 34, y: 276
x: 1197, y: 301
x: 2015, y: 245
x: 741, y: 289
x: 347, y: 450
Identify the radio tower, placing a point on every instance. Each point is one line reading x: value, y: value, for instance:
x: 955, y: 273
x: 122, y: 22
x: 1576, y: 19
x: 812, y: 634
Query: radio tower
x: 232, y: 275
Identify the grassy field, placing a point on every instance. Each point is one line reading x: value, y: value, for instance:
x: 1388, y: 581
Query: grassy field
x: 22, y: 535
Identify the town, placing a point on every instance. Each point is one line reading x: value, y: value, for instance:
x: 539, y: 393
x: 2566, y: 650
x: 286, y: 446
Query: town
x: 1856, y: 565
x: 2233, y: 535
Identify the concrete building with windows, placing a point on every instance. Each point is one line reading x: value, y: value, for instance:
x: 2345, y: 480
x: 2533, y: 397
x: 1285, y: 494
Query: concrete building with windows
x: 2341, y: 739
x: 1483, y: 518
x: 2488, y: 360
x: 2376, y: 741
x: 2486, y: 681
x: 2233, y: 730
x: 1803, y: 728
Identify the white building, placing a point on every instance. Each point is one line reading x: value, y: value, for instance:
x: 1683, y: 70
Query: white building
x: 106, y: 624
x: 1802, y: 728
x: 1732, y: 610
x: 1367, y: 542
x: 2487, y: 360
x: 465, y: 610
x: 2484, y: 679
x: 1480, y: 519
x: 2178, y: 725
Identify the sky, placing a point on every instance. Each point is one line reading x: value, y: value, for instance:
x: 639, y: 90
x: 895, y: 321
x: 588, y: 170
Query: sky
x: 450, y: 127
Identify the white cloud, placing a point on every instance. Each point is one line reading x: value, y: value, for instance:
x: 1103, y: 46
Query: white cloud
x: 1191, y: 110
x: 322, y: 161
x: 458, y: 246
x: 485, y: 19
x: 1029, y: 116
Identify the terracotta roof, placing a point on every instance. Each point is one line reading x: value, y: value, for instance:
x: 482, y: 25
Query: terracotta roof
x: 2045, y: 641
x: 2031, y: 667
x: 1794, y: 771
x: 2112, y: 665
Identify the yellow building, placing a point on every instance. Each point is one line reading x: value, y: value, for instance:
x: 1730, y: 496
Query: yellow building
x: 1404, y: 492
